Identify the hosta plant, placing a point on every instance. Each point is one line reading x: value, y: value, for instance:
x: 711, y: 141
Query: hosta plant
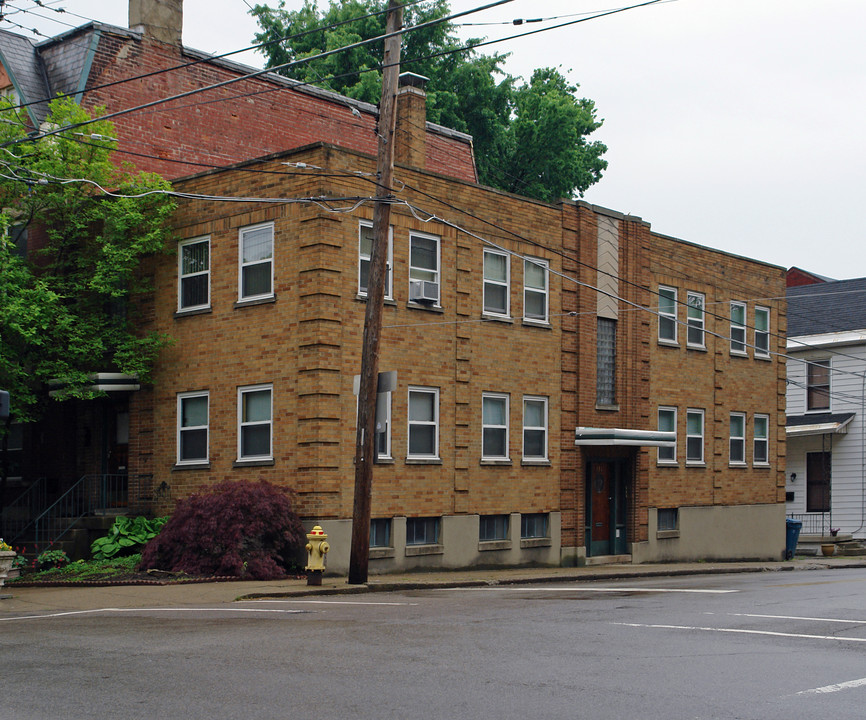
x: 126, y: 537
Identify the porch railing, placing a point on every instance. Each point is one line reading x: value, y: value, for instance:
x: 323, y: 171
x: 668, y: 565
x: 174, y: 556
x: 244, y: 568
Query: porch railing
x: 91, y: 495
x: 813, y: 523
x: 19, y: 513
x: 115, y: 494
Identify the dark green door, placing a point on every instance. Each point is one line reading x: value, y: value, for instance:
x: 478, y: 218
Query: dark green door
x: 606, y: 507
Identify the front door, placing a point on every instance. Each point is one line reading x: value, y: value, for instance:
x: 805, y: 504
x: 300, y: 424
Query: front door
x: 606, y: 507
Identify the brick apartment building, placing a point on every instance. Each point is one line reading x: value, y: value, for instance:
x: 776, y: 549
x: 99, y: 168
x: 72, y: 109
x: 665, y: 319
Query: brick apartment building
x: 571, y: 386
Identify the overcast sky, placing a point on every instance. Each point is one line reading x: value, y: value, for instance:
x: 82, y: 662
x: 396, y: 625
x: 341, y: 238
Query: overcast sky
x: 736, y: 124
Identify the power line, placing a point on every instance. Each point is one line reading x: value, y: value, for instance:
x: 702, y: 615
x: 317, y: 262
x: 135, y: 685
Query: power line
x: 207, y: 59
x: 258, y: 73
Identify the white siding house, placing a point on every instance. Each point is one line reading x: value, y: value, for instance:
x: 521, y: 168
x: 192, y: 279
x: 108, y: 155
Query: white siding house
x: 826, y: 404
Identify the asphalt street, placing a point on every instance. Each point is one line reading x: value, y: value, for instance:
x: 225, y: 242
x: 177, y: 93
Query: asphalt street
x: 765, y: 645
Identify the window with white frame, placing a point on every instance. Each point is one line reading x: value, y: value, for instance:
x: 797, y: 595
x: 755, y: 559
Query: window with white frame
x: 667, y: 314
x: 534, y: 428
x: 762, y: 332
x: 193, y: 273
x: 383, y: 426
x: 818, y: 385
x: 256, y: 271
x: 535, y: 290
x: 423, y: 423
x: 737, y: 441
x: 494, y: 426
x: 738, y: 328
x: 365, y: 249
x: 192, y: 427
x: 695, y: 318
x: 761, y: 450
x: 694, y: 436
x: 424, y: 284
x: 496, y: 283
x: 255, y: 424
x: 667, y: 423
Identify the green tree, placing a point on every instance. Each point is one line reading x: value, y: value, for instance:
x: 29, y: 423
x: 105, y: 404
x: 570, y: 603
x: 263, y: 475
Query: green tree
x: 529, y: 138
x: 68, y: 304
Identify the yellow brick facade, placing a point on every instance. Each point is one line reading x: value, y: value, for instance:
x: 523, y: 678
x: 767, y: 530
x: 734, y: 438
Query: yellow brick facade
x: 305, y: 342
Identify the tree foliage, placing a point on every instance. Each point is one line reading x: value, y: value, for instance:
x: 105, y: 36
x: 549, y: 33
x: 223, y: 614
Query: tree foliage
x: 529, y: 137
x: 67, y: 293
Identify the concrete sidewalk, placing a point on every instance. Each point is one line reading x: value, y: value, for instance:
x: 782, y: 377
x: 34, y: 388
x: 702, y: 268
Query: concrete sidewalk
x: 38, y: 600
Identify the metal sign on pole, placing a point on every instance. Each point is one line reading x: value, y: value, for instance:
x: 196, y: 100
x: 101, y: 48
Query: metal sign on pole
x: 367, y: 392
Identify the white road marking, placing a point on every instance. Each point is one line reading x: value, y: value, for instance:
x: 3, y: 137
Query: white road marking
x: 332, y: 602
x: 580, y: 588
x: 743, y: 631
x: 98, y: 611
x: 834, y: 688
x: 796, y: 617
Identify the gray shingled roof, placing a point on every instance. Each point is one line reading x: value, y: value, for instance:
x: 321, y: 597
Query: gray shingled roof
x: 27, y: 73
x: 827, y: 307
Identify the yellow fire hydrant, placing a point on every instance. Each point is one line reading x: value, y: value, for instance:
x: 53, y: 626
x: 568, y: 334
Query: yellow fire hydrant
x: 317, y: 548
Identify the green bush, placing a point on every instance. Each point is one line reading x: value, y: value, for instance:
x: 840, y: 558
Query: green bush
x: 126, y: 537
x: 51, y: 559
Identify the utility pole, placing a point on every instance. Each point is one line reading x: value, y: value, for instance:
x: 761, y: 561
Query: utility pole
x: 365, y: 444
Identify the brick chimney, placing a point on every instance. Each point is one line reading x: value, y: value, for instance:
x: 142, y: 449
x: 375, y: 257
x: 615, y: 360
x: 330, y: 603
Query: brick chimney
x: 410, y: 147
x: 161, y: 20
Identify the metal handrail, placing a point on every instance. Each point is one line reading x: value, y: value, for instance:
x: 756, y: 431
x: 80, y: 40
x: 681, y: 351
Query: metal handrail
x: 813, y: 523
x: 89, y: 495
x: 18, y: 515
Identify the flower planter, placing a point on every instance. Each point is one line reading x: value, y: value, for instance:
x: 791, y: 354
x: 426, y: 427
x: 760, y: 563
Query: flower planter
x: 6, y: 558
x: 828, y: 549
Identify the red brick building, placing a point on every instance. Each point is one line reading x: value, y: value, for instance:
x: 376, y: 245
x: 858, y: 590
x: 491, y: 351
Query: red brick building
x: 571, y: 386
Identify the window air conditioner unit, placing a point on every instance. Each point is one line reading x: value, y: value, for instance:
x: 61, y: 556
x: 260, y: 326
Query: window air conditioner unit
x: 423, y: 291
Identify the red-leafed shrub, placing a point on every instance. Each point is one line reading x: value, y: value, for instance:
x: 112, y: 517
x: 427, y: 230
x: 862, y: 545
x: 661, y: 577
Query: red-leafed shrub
x: 241, y: 529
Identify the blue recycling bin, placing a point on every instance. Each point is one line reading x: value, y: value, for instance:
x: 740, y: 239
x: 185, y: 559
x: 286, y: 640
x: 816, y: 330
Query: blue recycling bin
x: 792, y: 535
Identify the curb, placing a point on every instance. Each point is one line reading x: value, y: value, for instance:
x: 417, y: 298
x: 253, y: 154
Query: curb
x: 577, y: 578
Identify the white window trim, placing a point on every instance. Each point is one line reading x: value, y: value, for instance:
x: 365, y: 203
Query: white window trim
x: 739, y: 329
x: 241, y: 232
x: 546, y: 292
x: 760, y: 352
x: 497, y: 283
x: 438, y: 271
x: 241, y: 424
x: 698, y: 323
x: 181, y: 277
x: 702, y: 436
x: 660, y: 460
x: 386, y: 455
x: 670, y: 316
x: 542, y: 399
x: 736, y: 438
x: 495, y: 396
x: 180, y: 398
x: 765, y: 440
x: 434, y: 423
x: 389, y: 266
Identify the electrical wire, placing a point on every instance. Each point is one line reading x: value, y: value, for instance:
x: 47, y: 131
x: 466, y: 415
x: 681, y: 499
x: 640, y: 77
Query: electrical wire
x: 258, y: 73
x: 208, y: 58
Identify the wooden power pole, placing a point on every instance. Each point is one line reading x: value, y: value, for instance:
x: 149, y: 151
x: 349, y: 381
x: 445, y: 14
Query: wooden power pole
x: 365, y: 447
